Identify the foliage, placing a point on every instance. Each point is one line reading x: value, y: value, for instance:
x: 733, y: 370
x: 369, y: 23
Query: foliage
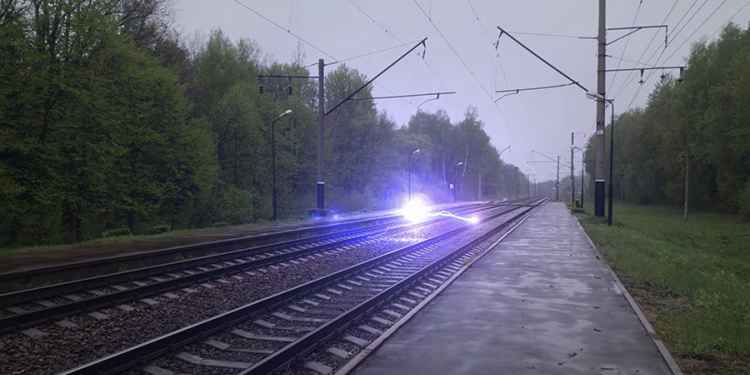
x: 698, y: 125
x: 107, y: 121
x: 692, y: 277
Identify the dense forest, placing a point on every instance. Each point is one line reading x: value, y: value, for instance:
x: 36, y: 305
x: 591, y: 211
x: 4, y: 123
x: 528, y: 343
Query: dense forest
x: 692, y: 140
x: 109, y: 123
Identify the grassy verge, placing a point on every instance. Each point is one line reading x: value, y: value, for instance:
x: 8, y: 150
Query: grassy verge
x: 692, y: 279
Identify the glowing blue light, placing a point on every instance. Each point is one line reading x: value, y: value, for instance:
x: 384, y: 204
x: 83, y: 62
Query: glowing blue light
x: 418, y: 210
x: 415, y: 210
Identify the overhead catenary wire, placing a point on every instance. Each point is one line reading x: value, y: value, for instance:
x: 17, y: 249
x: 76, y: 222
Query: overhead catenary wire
x: 368, y: 54
x: 627, y: 43
x: 631, y: 61
x: 734, y: 15
x: 689, y: 37
x: 453, y: 49
x: 285, y: 29
x: 543, y: 60
x: 437, y: 94
x: 645, y: 50
x: 485, y: 31
x: 460, y: 59
x: 684, y: 25
x: 551, y: 35
x: 371, y: 80
x: 535, y: 88
x: 661, y: 51
x: 388, y: 31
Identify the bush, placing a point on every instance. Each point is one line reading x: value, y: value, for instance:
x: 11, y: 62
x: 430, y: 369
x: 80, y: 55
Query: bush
x: 744, y: 201
x: 236, y: 205
x: 116, y: 232
x: 158, y: 229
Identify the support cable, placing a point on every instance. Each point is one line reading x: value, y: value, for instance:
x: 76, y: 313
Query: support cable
x: 627, y: 43
x: 689, y: 37
x: 645, y: 50
x: 573, y: 81
x: 287, y: 30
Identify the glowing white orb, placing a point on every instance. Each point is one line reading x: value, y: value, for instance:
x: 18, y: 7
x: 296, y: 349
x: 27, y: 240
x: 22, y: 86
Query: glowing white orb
x: 415, y: 210
x: 473, y: 220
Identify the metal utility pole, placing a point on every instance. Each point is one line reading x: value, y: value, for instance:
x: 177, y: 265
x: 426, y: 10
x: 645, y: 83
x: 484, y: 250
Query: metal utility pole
x: 557, y: 183
x: 274, y: 198
x: 611, y: 161
x: 479, y: 186
x: 583, y: 176
x: 320, y: 185
x: 411, y: 155
x: 599, y: 171
x: 572, y: 172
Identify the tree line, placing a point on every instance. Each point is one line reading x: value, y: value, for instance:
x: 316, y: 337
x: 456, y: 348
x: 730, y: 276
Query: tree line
x: 691, y: 142
x: 110, y: 124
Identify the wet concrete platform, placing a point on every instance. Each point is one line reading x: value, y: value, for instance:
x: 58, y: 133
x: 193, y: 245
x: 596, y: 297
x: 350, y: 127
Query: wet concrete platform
x: 540, y: 303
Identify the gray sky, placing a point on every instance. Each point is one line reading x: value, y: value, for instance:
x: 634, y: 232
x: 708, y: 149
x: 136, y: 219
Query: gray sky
x: 539, y: 120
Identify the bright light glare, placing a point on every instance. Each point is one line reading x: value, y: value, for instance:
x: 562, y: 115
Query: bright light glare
x: 473, y: 219
x: 415, y: 210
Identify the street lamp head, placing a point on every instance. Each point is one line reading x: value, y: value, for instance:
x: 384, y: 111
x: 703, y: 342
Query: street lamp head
x: 460, y: 163
x: 416, y: 151
x: 283, y: 114
x: 593, y: 96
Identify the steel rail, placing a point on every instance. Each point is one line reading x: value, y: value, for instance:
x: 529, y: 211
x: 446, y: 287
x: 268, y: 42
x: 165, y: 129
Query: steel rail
x: 154, y: 348
x: 308, y: 342
x: 214, y: 246
x: 20, y: 321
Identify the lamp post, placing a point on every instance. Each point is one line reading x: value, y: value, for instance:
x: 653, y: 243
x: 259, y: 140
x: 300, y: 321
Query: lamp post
x: 611, y: 161
x: 411, y: 156
x: 455, y: 184
x: 573, y: 149
x: 499, y: 155
x: 273, y: 161
x: 611, y: 103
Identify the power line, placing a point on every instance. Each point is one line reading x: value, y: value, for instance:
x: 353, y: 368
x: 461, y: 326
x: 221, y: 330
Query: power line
x: 453, y: 49
x: 630, y: 61
x: 552, y: 35
x: 689, y: 37
x: 627, y: 43
x: 696, y: 29
x: 502, y: 31
x: 371, y: 53
x: 535, y: 88
x: 645, y: 50
x: 737, y: 13
x: 661, y: 53
x: 437, y: 94
x: 486, y: 33
x: 395, y: 37
x: 289, y: 31
x: 677, y: 32
x: 374, y: 21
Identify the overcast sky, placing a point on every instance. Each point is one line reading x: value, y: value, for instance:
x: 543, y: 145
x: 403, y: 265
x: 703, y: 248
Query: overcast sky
x: 541, y: 120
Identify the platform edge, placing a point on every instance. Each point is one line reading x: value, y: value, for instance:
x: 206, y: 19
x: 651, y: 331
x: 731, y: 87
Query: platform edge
x: 362, y: 355
x: 663, y: 351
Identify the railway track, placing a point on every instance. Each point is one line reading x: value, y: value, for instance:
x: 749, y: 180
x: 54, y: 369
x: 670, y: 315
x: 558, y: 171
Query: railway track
x: 30, y: 307
x: 23, y: 279
x: 315, y: 327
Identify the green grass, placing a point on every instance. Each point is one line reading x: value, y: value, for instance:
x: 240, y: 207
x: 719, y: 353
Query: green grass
x: 692, y: 278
